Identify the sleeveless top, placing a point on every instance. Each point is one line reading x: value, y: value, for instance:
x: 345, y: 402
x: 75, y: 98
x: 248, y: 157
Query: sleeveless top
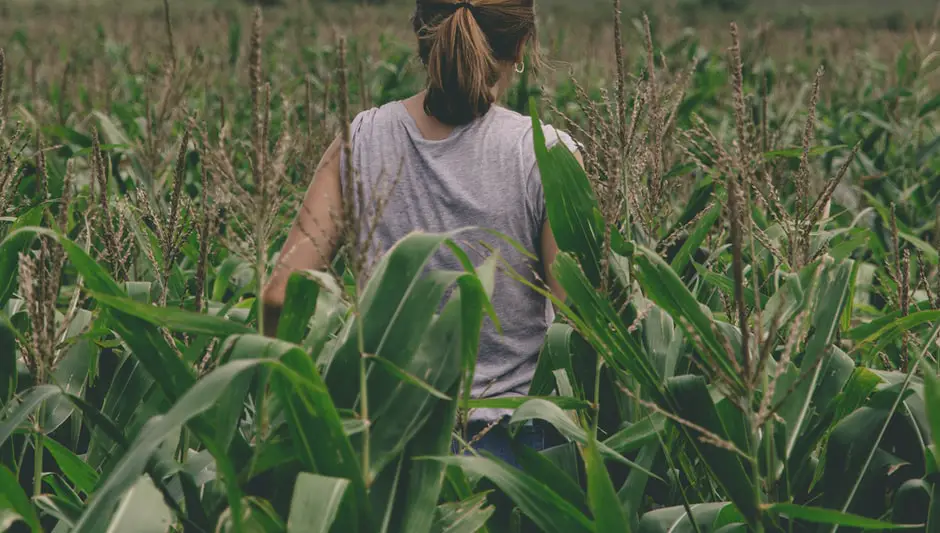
x: 483, y: 175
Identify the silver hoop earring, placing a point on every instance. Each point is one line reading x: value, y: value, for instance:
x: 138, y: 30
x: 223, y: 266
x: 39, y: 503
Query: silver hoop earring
x: 520, y: 67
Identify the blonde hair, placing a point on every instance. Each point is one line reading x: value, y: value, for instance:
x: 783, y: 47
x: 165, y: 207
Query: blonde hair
x: 461, y: 44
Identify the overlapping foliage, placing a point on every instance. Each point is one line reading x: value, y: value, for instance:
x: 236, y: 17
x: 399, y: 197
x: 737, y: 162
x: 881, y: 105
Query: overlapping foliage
x: 745, y: 346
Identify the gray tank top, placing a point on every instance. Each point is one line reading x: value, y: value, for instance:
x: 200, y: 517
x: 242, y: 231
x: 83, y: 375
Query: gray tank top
x: 483, y: 175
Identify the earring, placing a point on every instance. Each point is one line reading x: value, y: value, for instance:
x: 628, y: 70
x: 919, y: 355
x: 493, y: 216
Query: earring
x: 520, y: 67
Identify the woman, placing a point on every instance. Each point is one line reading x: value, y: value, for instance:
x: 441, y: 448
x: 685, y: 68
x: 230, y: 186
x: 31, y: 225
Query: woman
x: 444, y: 159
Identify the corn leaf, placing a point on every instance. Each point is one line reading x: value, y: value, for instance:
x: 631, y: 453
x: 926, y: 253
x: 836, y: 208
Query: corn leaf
x: 315, y: 503
x: 546, y: 509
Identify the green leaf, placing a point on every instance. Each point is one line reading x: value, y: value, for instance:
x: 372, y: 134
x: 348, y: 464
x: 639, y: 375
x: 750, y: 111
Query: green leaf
x: 395, y: 310
x: 636, y: 435
x: 465, y: 516
x: 696, y: 238
x: 818, y: 515
x: 197, y: 400
x: 570, y: 204
x: 425, y: 478
x: 13, y: 244
x: 603, y: 327
x: 930, y: 106
x: 514, y: 402
x: 666, y: 290
x: 300, y: 304
x: 174, y: 319
x: 13, y: 498
x: 546, y: 509
x: 930, y: 253
x: 676, y: 520
x: 831, y: 298
x: 932, y: 402
x: 320, y: 438
x: 142, y: 510
x: 438, y: 354
x: 405, y: 377
x: 8, y: 357
x: 605, y: 506
x: 15, y: 413
x: 726, y: 285
x: 551, y: 413
x: 75, y: 469
x: 695, y: 405
x: 315, y: 503
x: 542, y: 468
x: 796, y: 153
x: 634, y: 488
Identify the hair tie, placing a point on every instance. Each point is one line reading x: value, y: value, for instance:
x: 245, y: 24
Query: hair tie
x: 464, y: 3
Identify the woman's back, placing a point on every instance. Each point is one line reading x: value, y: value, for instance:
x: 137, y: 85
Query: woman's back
x: 483, y: 175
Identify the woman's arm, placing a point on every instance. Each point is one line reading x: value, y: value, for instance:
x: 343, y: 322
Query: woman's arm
x: 313, y: 237
x: 550, y: 250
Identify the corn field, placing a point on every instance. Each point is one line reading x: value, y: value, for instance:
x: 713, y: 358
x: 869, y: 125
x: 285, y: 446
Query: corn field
x: 750, y: 257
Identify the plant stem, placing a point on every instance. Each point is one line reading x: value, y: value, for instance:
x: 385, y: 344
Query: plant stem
x: 37, y: 453
x: 363, y: 393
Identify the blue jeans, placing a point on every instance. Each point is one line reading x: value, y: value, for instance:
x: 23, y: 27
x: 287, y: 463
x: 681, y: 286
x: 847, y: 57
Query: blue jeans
x: 497, y: 440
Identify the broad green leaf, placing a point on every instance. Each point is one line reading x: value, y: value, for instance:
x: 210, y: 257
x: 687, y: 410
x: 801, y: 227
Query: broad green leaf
x: 321, y: 441
x: 8, y: 357
x: 894, y: 330
x: 570, y: 204
x: 602, y: 326
x: 466, y: 516
x: 556, y: 354
x: 315, y: 503
x: 695, y: 405
x: 832, y: 296
x: 932, y: 401
x: 666, y: 290
x: 405, y: 377
x: 300, y: 304
x: 15, y: 242
x: 15, y: 413
x: 636, y: 435
x: 608, y: 514
x: 75, y: 469
x: 551, y: 413
x: 12, y: 498
x: 174, y: 319
x: 142, y: 510
x: 873, y: 329
x: 546, y: 509
x: 912, y: 502
x: 191, y: 404
x: 425, y: 478
x: 65, y: 511
x: 545, y: 471
x: 676, y: 520
x: 126, y: 393
x: 696, y: 238
x: 72, y: 371
x: 514, y: 402
x: 726, y: 285
x: 634, y: 488
x: 394, y: 310
x: 449, y: 343
x: 818, y: 515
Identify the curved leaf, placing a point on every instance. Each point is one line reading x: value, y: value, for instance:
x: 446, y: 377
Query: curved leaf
x: 549, y: 512
x: 315, y: 503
